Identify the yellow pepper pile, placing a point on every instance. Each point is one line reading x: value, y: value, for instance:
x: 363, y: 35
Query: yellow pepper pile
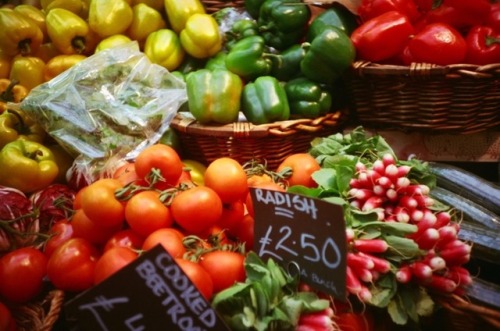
x: 38, y: 43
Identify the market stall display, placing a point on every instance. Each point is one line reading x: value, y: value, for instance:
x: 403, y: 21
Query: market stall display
x: 143, y: 139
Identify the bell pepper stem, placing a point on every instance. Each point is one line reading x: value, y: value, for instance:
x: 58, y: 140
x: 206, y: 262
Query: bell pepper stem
x: 24, y: 47
x: 78, y: 44
x: 490, y: 41
x: 22, y: 128
x: 8, y: 95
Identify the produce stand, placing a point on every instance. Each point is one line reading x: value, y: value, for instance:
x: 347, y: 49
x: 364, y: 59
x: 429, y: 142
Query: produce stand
x: 249, y: 165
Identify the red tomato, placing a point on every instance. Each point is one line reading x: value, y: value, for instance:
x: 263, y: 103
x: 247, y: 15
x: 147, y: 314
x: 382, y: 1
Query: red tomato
x: 169, y: 238
x: 21, y: 273
x: 216, y: 236
x: 60, y: 232
x: 303, y: 165
x: 245, y: 232
x: 71, y: 267
x: 126, y: 174
x: 227, y: 177
x: 232, y: 215
x: 224, y: 267
x: 112, y: 261
x: 196, y: 209
x: 7, y: 322
x: 163, y: 158
x: 438, y: 43
x: 100, y: 204
x: 125, y: 238
x: 198, y: 276
x: 146, y: 213
x: 84, y: 227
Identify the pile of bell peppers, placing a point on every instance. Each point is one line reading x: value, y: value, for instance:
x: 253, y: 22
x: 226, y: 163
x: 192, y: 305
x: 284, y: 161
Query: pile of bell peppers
x: 283, y: 64
x: 426, y: 31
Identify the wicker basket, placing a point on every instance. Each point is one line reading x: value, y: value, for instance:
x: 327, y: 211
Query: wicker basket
x: 213, y: 6
x: 244, y: 141
x: 458, y: 99
x: 39, y: 315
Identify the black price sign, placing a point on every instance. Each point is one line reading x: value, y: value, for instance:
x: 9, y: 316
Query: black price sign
x: 152, y: 293
x: 308, y: 233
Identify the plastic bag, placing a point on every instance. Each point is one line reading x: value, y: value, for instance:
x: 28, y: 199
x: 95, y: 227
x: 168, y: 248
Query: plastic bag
x: 115, y: 102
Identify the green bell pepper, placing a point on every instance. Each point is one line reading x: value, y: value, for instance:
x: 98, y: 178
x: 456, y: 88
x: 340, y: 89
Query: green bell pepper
x: 286, y: 65
x: 265, y: 101
x: 331, y: 53
x: 240, y: 29
x: 27, y: 165
x: 247, y: 58
x: 253, y: 7
x: 214, y: 95
x: 217, y: 62
x: 283, y: 23
x: 337, y: 15
x: 307, y: 99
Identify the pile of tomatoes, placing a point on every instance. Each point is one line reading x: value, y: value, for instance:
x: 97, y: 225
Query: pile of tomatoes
x: 205, y: 224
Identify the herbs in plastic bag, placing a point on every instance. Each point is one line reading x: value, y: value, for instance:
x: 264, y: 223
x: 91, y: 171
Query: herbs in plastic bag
x: 111, y: 105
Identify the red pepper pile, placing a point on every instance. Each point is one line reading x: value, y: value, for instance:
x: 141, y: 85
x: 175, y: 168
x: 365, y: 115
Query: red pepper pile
x: 428, y: 31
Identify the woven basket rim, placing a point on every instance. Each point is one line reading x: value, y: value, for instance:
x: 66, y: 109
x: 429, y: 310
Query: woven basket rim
x: 426, y: 70
x: 187, y: 124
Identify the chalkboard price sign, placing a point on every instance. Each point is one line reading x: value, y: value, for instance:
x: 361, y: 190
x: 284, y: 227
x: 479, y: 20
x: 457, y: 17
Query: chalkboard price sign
x: 304, y: 235
x: 152, y: 293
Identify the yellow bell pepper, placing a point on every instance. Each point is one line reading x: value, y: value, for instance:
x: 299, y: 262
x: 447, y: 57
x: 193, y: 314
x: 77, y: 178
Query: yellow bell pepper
x: 4, y: 65
x: 18, y: 34
x: 145, y: 21
x: 59, y: 64
x: 28, y: 71
x: 155, y: 4
x: 163, y: 47
x: 10, y: 91
x: 91, y: 42
x: 201, y: 37
x: 67, y: 31
x: 178, y: 12
x: 107, y: 17
x: 74, y: 6
x: 112, y: 41
x: 46, y: 52
x: 35, y: 14
x: 16, y: 125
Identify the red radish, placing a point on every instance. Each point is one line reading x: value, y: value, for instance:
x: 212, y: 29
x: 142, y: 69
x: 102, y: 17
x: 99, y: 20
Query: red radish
x: 437, y: 263
x: 401, y: 214
x: 403, y: 170
x: 442, y: 219
x: 391, y: 171
x: 363, y: 274
x: 355, y: 183
x: 380, y: 264
x: 379, y: 190
x: 353, y: 283
x: 357, y: 261
x: 391, y: 194
x: 442, y: 284
x: 402, y: 183
x: 365, y: 295
x: 318, y: 321
x: 362, y: 193
x: 370, y: 245
x: 403, y: 275
x: 412, y: 190
x: 421, y: 270
x: 356, y: 204
x: 447, y: 234
x: 360, y: 166
x: 385, y: 182
x: 372, y: 203
x: 459, y: 275
x: 428, y: 239
x: 349, y: 234
x: 408, y: 202
x: 363, y: 180
x: 388, y: 159
x: 424, y: 201
x: 416, y: 215
x: 456, y: 255
x: 372, y: 176
x: 379, y: 166
x: 428, y: 220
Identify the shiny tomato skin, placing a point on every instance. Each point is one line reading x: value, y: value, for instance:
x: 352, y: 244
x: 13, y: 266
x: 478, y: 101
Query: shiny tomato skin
x: 245, y: 232
x: 303, y: 165
x: 7, y: 322
x: 60, y: 232
x: 111, y: 261
x: 169, y: 238
x: 100, y: 204
x: 161, y: 157
x: 196, y: 209
x: 146, y: 213
x: 198, y: 276
x: 84, y: 227
x: 228, y: 178
x: 126, y: 174
x: 224, y: 267
x: 232, y: 215
x: 125, y: 238
x: 21, y: 274
x: 71, y: 267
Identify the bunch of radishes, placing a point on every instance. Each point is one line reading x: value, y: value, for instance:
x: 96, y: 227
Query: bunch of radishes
x: 386, y: 189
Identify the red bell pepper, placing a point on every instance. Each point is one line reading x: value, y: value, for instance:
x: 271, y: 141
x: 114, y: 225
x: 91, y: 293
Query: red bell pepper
x: 382, y: 37
x: 493, y: 19
x: 483, y: 45
x: 438, y: 43
x: 369, y: 9
x: 460, y: 14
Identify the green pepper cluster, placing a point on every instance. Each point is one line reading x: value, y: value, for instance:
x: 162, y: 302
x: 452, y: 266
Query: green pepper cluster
x: 276, y: 65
